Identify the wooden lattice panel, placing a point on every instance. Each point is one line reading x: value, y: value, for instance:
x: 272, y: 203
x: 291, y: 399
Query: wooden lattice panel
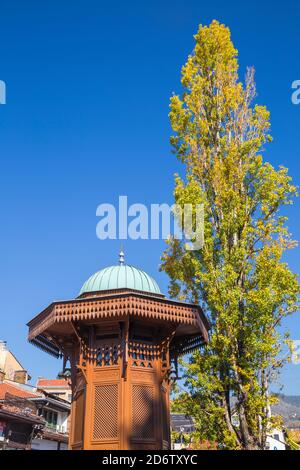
x: 142, y: 354
x: 142, y: 412
x: 78, y: 407
x: 107, y: 353
x: 105, y: 412
x: 164, y: 412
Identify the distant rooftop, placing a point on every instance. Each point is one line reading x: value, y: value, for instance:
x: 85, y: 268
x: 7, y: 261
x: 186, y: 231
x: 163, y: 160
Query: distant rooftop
x: 182, y: 423
x: 16, y: 391
x: 61, y: 383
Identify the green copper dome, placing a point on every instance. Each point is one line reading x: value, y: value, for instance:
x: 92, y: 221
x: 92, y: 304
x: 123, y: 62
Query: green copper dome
x: 122, y: 276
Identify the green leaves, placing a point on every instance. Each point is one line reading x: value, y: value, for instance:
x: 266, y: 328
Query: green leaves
x: 238, y: 276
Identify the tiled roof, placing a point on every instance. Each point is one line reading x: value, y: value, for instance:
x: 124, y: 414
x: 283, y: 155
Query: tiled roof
x: 15, y: 391
x: 52, y: 383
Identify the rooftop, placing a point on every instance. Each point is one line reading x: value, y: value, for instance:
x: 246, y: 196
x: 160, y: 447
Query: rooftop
x: 120, y: 276
x: 61, y: 383
x: 16, y: 391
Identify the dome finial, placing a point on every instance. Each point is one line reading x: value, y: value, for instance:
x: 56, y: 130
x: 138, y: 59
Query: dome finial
x: 121, y: 257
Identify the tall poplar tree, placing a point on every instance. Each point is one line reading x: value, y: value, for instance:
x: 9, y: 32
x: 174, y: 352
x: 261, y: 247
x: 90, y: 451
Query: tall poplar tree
x: 239, y: 276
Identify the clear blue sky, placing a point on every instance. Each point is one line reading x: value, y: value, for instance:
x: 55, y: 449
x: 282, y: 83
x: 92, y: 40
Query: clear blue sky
x: 88, y: 86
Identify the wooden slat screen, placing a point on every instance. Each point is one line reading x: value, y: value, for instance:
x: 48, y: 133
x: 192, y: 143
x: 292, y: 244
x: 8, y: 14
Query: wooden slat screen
x: 142, y: 411
x: 106, y: 411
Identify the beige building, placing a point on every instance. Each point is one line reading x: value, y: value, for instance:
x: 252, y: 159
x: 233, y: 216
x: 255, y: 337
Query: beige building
x: 10, y: 367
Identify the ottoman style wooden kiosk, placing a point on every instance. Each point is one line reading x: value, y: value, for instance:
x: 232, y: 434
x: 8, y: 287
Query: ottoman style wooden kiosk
x: 121, y: 337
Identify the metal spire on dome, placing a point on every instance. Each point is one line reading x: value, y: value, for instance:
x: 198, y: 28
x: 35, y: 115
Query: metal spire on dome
x: 121, y: 257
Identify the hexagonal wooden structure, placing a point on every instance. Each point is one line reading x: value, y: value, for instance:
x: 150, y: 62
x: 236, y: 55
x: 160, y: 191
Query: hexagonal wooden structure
x: 121, y: 345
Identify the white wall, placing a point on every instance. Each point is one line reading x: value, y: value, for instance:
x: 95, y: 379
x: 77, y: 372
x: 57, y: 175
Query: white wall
x: 62, y: 421
x: 276, y: 444
x: 45, y: 444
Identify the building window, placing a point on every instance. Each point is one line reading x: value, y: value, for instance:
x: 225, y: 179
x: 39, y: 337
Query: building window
x: 50, y: 418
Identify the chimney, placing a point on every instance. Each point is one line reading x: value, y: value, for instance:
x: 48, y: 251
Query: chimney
x: 3, y: 345
x: 2, y: 375
x: 20, y: 376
